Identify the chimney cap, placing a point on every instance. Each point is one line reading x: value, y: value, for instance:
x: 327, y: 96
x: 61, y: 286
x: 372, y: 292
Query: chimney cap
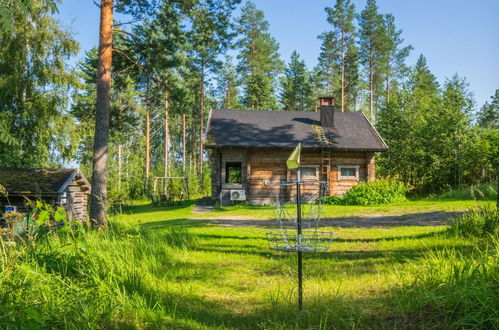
x: 327, y: 101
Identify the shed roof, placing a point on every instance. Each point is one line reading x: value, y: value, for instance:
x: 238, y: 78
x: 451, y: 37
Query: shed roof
x: 39, y: 181
x: 285, y: 129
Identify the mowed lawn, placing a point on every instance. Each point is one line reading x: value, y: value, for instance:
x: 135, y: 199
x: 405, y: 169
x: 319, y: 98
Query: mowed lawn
x: 329, y: 211
x: 227, y: 277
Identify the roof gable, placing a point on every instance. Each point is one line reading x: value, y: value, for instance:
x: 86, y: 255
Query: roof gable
x: 284, y: 129
x: 39, y: 181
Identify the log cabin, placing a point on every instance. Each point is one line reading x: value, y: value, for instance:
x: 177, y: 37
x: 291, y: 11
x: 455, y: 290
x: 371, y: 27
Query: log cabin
x: 248, y: 150
x: 65, y: 187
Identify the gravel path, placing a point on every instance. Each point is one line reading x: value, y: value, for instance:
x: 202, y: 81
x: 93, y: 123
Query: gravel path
x: 377, y: 220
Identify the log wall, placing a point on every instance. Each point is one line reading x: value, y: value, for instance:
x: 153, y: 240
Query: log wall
x: 263, y: 170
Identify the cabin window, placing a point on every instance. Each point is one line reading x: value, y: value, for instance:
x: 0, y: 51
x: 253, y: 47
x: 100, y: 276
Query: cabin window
x: 63, y: 199
x: 309, y: 173
x: 348, y: 172
x: 233, y: 172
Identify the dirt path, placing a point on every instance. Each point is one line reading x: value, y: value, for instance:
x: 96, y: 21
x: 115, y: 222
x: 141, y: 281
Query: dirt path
x: 415, y: 219
x: 204, y: 205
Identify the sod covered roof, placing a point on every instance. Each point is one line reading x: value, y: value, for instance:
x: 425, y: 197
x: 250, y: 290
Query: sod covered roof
x: 285, y: 129
x: 38, y: 181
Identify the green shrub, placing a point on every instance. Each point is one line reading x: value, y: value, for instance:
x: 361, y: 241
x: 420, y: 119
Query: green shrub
x: 371, y: 193
x: 480, y: 223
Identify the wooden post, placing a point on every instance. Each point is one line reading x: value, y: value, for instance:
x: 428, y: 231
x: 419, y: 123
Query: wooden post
x: 299, y: 238
x: 183, y: 144
x: 148, y: 138
x: 166, y: 142
x: 370, y: 161
x: 120, y: 147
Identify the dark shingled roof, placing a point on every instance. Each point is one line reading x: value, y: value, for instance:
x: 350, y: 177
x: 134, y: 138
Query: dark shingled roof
x: 284, y: 129
x: 36, y: 181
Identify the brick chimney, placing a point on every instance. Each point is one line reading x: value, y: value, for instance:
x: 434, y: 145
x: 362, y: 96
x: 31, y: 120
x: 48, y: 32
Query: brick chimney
x: 326, y: 108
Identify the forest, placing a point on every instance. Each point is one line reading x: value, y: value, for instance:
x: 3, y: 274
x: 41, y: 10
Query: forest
x: 418, y: 247
x: 174, y: 61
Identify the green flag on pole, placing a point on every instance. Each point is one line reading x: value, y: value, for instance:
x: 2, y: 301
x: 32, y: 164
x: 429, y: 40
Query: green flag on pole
x: 294, y: 160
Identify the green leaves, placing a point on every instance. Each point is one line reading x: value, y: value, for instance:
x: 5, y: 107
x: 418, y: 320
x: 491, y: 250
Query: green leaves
x: 297, y: 86
x: 259, y: 59
x: 371, y: 193
x: 35, y: 85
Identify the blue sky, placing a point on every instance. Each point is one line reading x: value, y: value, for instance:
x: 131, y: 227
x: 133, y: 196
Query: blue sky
x: 455, y: 35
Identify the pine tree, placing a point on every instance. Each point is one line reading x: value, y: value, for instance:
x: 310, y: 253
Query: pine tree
x: 210, y: 35
x: 259, y: 62
x: 372, y: 49
x: 488, y: 117
x: 396, y: 55
x: 227, y: 86
x: 341, y: 18
x: 296, y: 86
x: 328, y: 68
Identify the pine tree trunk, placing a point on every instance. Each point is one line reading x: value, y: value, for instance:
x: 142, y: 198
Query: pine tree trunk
x: 371, y: 87
x: 183, y: 144
x: 193, y: 145
x: 201, y: 124
x: 166, y: 142
x: 388, y: 85
x: 148, y: 140
x: 227, y: 98
x: 342, y: 72
x: 120, y: 152
x: 98, y: 197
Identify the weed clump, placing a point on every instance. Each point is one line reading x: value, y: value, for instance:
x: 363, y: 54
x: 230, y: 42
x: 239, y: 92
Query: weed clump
x: 480, y: 222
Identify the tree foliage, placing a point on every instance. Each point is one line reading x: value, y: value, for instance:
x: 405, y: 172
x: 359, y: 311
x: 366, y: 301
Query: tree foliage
x: 297, y: 89
x: 259, y: 62
x: 34, y: 88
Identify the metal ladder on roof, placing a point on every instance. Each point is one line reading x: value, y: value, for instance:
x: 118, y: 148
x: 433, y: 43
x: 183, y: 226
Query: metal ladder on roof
x: 325, y: 154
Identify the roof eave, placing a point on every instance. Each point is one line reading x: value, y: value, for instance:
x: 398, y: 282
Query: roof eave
x: 214, y: 146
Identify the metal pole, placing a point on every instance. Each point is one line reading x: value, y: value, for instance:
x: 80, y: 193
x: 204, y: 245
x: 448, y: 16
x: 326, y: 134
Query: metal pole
x: 300, y: 261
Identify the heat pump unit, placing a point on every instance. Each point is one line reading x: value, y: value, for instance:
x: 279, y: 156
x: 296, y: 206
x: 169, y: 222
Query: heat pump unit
x: 237, y: 195
x: 10, y: 208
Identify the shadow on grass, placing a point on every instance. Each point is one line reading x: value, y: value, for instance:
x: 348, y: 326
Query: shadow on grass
x: 391, y: 238
x: 278, y: 310
x: 165, y: 224
x: 150, y: 208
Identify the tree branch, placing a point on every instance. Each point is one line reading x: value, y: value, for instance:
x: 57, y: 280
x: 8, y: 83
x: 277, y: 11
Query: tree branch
x: 122, y: 53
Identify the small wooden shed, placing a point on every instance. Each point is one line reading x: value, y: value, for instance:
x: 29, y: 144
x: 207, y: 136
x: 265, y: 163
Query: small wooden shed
x: 65, y: 187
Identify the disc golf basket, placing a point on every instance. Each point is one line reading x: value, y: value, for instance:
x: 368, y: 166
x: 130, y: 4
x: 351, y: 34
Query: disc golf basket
x: 298, y: 210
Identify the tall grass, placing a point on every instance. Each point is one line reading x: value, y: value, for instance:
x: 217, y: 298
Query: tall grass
x: 483, y: 191
x: 457, y: 288
x: 480, y: 222
x: 99, y: 280
x: 452, y: 289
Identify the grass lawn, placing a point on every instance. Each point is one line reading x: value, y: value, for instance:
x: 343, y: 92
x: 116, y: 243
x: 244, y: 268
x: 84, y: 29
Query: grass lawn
x: 153, y: 269
x: 400, y: 208
x: 227, y: 277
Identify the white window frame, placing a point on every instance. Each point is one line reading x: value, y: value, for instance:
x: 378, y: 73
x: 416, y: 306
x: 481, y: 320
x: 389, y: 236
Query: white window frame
x: 357, y: 174
x: 316, y: 177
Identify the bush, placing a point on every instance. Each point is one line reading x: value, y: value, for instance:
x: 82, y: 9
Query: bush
x: 481, y: 222
x: 371, y: 193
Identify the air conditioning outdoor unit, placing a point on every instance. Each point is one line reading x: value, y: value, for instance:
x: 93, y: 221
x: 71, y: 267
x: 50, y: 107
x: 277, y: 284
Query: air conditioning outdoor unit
x: 237, y: 195
x: 10, y: 208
